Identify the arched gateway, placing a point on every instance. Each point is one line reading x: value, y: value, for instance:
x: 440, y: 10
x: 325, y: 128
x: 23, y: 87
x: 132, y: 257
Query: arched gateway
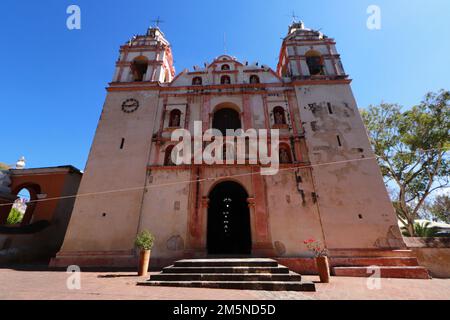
x: 229, y: 220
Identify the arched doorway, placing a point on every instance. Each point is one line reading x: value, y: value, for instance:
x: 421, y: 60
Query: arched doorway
x: 229, y: 220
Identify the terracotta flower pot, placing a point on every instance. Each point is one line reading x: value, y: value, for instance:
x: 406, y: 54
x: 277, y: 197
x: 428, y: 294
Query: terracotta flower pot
x: 144, y: 261
x: 323, y: 267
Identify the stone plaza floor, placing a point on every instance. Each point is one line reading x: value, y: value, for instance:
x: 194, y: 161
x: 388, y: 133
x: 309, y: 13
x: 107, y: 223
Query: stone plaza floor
x: 48, y: 285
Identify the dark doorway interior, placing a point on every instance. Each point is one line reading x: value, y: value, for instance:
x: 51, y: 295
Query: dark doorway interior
x: 226, y: 119
x: 229, y: 220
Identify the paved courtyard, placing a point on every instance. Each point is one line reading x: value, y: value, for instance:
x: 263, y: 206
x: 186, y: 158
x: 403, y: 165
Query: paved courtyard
x: 18, y: 284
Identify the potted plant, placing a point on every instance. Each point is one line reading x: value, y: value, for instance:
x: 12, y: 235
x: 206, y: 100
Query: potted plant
x: 321, y: 257
x: 144, y: 242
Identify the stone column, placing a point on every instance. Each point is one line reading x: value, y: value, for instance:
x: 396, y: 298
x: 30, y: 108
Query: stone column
x: 197, y: 206
x: 247, y: 112
x: 295, y: 119
x: 262, y: 243
x: 206, y: 110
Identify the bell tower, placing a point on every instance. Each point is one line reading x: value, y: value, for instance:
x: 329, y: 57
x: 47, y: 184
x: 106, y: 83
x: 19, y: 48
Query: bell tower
x: 116, y: 171
x: 345, y: 171
x: 309, y: 54
x: 145, y: 58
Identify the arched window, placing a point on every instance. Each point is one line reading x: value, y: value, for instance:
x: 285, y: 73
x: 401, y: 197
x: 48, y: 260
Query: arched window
x: 166, y: 76
x: 225, y: 80
x: 174, y: 119
x: 314, y: 60
x: 197, y: 81
x: 226, y: 119
x: 285, y: 154
x: 254, y: 79
x: 225, y: 67
x: 168, y: 156
x: 17, y: 213
x: 139, y: 68
x: 23, y: 210
x: 279, y: 115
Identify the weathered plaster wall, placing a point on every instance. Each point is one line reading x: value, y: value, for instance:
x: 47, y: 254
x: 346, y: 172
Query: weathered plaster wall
x: 165, y: 211
x: 433, y: 254
x: 108, y: 221
x: 292, y: 212
x: 354, y: 205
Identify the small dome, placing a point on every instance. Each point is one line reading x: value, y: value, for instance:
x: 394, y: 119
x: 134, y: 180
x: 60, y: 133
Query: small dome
x: 20, y: 164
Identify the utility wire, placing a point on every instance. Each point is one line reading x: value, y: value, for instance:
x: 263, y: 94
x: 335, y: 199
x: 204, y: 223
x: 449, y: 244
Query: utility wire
x: 210, y: 179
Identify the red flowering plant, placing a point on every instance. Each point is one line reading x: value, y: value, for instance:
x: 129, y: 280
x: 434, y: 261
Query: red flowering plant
x: 316, y: 247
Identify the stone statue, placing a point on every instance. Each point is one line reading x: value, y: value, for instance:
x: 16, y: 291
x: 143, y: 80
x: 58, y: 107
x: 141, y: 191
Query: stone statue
x: 279, y: 118
x: 284, y: 156
x: 197, y: 81
x: 175, y: 120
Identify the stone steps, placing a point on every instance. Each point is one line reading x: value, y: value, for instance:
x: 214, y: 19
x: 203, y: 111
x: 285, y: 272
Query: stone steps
x: 212, y: 269
x: 239, y: 285
x: 374, y: 261
x: 263, y: 277
x: 411, y: 272
x: 249, y: 274
x: 227, y: 263
x: 370, y: 253
x: 391, y: 263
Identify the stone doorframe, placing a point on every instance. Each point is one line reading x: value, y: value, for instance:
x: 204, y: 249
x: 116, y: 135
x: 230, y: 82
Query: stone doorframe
x: 262, y: 245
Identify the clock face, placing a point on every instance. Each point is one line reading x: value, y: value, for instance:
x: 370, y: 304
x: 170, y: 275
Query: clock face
x: 130, y: 105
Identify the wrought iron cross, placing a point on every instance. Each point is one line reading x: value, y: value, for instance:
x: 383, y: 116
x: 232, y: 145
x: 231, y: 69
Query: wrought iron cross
x: 294, y: 17
x: 157, y: 21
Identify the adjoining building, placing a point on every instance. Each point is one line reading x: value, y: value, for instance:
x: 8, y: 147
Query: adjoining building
x: 37, y: 234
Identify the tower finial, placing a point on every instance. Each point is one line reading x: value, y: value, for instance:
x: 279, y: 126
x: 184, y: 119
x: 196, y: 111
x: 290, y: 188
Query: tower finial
x: 20, y: 164
x: 157, y: 21
x: 294, y: 17
x: 225, y: 43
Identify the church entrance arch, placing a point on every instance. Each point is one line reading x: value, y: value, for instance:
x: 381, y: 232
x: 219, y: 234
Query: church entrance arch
x: 229, y: 230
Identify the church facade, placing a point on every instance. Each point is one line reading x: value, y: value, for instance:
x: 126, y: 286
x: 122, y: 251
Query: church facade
x: 328, y: 186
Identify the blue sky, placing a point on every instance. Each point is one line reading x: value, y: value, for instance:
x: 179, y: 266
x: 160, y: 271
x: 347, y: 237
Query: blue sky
x: 53, y: 80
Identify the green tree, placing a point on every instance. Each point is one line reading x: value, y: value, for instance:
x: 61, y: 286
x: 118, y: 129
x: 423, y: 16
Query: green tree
x: 15, y: 216
x: 3, y: 166
x: 422, y: 230
x: 440, y: 208
x: 412, y: 148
